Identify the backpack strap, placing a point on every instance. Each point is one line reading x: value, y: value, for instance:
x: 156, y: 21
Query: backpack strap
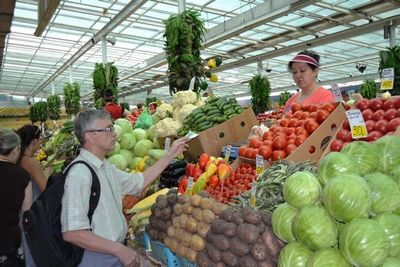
x: 94, y: 189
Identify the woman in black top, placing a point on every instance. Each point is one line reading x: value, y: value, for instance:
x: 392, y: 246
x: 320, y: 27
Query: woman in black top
x: 15, y: 197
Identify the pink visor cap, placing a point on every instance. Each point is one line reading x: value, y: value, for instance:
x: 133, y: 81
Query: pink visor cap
x: 305, y: 59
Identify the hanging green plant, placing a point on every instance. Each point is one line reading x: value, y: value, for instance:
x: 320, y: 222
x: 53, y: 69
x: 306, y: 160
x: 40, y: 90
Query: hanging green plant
x: 72, y: 98
x: 54, y: 105
x: 33, y: 116
x: 368, y: 89
x: 39, y: 112
x: 105, y: 76
x: 284, y: 97
x: 390, y: 58
x: 260, y: 90
x: 184, y: 34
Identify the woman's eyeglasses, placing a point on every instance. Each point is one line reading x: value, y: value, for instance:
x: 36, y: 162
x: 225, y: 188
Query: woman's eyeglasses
x: 108, y: 129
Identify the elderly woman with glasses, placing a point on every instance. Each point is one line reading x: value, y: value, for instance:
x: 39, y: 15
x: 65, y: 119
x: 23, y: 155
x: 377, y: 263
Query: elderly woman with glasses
x: 15, y: 197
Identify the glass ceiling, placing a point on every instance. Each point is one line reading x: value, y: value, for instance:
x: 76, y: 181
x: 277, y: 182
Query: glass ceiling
x: 243, y: 32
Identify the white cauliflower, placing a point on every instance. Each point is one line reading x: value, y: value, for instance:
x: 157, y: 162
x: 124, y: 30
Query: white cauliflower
x: 167, y: 127
x: 184, y: 111
x: 200, y: 101
x: 184, y: 97
x: 163, y: 110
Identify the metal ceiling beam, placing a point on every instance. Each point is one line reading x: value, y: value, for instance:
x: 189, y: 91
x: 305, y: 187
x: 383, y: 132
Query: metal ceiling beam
x: 130, y: 8
x: 261, y: 14
x: 46, y: 10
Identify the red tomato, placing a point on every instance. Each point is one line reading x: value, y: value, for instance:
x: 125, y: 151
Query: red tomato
x: 279, y: 143
x: 346, y: 124
x: 265, y: 152
x: 267, y: 135
x: 298, y: 114
x: 278, y: 155
x: 253, y: 153
x: 288, y: 115
x: 279, y: 134
x: 301, y: 131
x: 362, y: 104
x: 328, y: 107
x: 375, y: 104
x: 284, y: 122
x: 300, y: 123
x: 290, y: 131
x: 255, y: 142
x: 390, y: 113
x: 397, y: 102
x: 291, y: 141
x: 313, y: 107
x: 398, y: 113
x: 305, y: 107
x: 393, y: 125
x: 290, y: 148
x: 242, y: 151
x: 304, y: 115
x: 311, y: 125
x: 295, y: 107
x: 374, y: 135
x: 322, y: 115
x: 378, y: 115
x: 313, y: 115
x: 344, y: 135
x: 300, y: 139
x: 367, y: 114
x: 370, y: 124
x: 293, y: 122
x: 189, y: 169
x: 389, y: 104
x: 336, y: 145
x: 267, y: 143
x: 381, y: 126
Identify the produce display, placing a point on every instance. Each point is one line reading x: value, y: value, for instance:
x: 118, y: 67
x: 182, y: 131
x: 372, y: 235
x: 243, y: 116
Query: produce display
x: 381, y: 116
x: 240, y: 238
x: 270, y: 116
x: 346, y: 214
x: 215, y: 111
x: 293, y: 129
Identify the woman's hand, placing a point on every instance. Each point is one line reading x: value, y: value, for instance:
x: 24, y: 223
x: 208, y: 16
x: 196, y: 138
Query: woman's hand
x: 178, y: 146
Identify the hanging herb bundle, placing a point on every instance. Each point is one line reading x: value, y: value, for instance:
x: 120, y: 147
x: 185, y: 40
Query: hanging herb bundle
x: 284, y: 97
x: 33, y: 116
x: 260, y: 90
x: 39, y: 112
x: 390, y: 58
x: 368, y: 89
x: 72, y: 98
x: 54, y: 105
x: 184, y: 34
x: 105, y: 76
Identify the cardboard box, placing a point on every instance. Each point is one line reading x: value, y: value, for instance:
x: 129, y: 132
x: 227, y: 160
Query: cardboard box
x: 212, y: 140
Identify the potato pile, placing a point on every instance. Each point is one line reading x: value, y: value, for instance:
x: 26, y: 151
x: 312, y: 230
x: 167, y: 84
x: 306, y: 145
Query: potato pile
x: 161, y: 214
x: 240, y: 238
x: 192, y: 217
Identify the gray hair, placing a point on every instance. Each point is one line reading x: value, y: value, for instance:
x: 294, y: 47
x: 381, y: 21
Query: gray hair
x: 9, y: 139
x: 84, y: 122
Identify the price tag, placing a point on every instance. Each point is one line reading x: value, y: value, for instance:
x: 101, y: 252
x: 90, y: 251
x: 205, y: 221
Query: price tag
x: 167, y: 143
x: 259, y: 164
x: 253, y: 193
x: 190, y: 183
x: 357, y: 123
x: 228, y: 149
x: 387, y: 79
x: 337, y: 93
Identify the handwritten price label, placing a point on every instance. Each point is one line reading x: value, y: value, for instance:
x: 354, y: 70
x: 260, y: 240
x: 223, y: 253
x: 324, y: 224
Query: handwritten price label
x: 259, y: 164
x: 357, y: 124
x: 387, y: 79
x: 228, y: 149
x: 387, y: 85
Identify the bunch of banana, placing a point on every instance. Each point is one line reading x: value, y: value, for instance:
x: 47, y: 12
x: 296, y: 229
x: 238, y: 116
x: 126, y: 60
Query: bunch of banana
x: 40, y: 155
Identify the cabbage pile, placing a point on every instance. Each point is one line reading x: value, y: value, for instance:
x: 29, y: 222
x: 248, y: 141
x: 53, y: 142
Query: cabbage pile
x: 346, y: 215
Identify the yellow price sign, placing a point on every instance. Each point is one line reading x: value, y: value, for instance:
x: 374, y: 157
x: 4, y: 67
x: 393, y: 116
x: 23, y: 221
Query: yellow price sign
x: 259, y: 170
x: 253, y: 194
x: 387, y: 85
x: 359, y: 131
x: 259, y: 164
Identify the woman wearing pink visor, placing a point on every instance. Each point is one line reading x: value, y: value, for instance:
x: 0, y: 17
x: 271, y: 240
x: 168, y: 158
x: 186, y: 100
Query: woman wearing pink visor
x: 304, y: 68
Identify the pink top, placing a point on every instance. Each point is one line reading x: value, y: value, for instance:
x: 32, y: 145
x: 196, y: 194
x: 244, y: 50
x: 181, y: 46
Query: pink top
x: 319, y: 96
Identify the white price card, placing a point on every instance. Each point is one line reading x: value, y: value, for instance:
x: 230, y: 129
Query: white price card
x: 167, y: 143
x: 228, y: 149
x: 337, y: 93
x: 190, y: 183
x: 357, y: 123
x: 387, y: 79
x: 259, y: 164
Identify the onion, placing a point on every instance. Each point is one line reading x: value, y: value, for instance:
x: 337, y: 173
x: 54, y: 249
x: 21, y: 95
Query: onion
x: 386, y: 95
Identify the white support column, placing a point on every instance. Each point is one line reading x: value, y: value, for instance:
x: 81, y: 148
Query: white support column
x: 259, y: 67
x: 181, y: 5
x: 104, y: 49
x: 392, y: 35
x: 71, y: 74
x: 53, y: 89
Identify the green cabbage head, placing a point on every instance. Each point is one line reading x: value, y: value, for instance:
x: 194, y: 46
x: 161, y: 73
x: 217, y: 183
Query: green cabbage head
x: 301, y: 189
x: 385, y: 192
x: 363, y: 242
x: 347, y: 197
x: 282, y: 219
x: 293, y: 255
x: 388, y: 151
x: 364, y: 155
x: 314, y: 228
x: 327, y: 257
x: 335, y: 164
x: 391, y: 224
x: 391, y: 262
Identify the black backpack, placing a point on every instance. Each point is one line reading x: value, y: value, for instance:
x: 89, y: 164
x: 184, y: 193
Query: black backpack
x: 42, y: 224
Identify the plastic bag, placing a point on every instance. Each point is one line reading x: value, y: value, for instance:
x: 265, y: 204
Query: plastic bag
x: 145, y: 120
x: 258, y: 131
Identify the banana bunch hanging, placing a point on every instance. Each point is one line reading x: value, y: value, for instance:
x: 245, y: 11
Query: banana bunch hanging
x: 211, y: 64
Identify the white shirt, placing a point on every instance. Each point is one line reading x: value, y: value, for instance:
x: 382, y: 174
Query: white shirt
x: 108, y: 220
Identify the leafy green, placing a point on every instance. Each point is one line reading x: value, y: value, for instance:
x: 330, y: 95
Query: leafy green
x: 364, y: 155
x: 391, y: 225
x: 363, y: 243
x: 368, y: 89
x: 282, y: 219
x: 388, y: 151
x: 260, y: 90
x: 314, y: 228
x: 391, y: 262
x: 54, y: 105
x: 293, y: 255
x: 390, y: 58
x: 335, y: 164
x: 72, y: 98
x: 327, y: 257
x: 346, y: 197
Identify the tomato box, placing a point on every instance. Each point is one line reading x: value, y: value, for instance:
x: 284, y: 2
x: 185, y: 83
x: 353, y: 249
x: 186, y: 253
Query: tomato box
x: 212, y: 140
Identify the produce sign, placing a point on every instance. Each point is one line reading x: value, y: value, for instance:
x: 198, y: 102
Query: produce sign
x: 382, y: 117
x: 291, y: 131
x: 346, y: 214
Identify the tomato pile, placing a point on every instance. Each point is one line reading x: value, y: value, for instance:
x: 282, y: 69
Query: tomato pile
x: 289, y: 133
x: 239, y: 181
x: 276, y: 115
x: 382, y: 117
